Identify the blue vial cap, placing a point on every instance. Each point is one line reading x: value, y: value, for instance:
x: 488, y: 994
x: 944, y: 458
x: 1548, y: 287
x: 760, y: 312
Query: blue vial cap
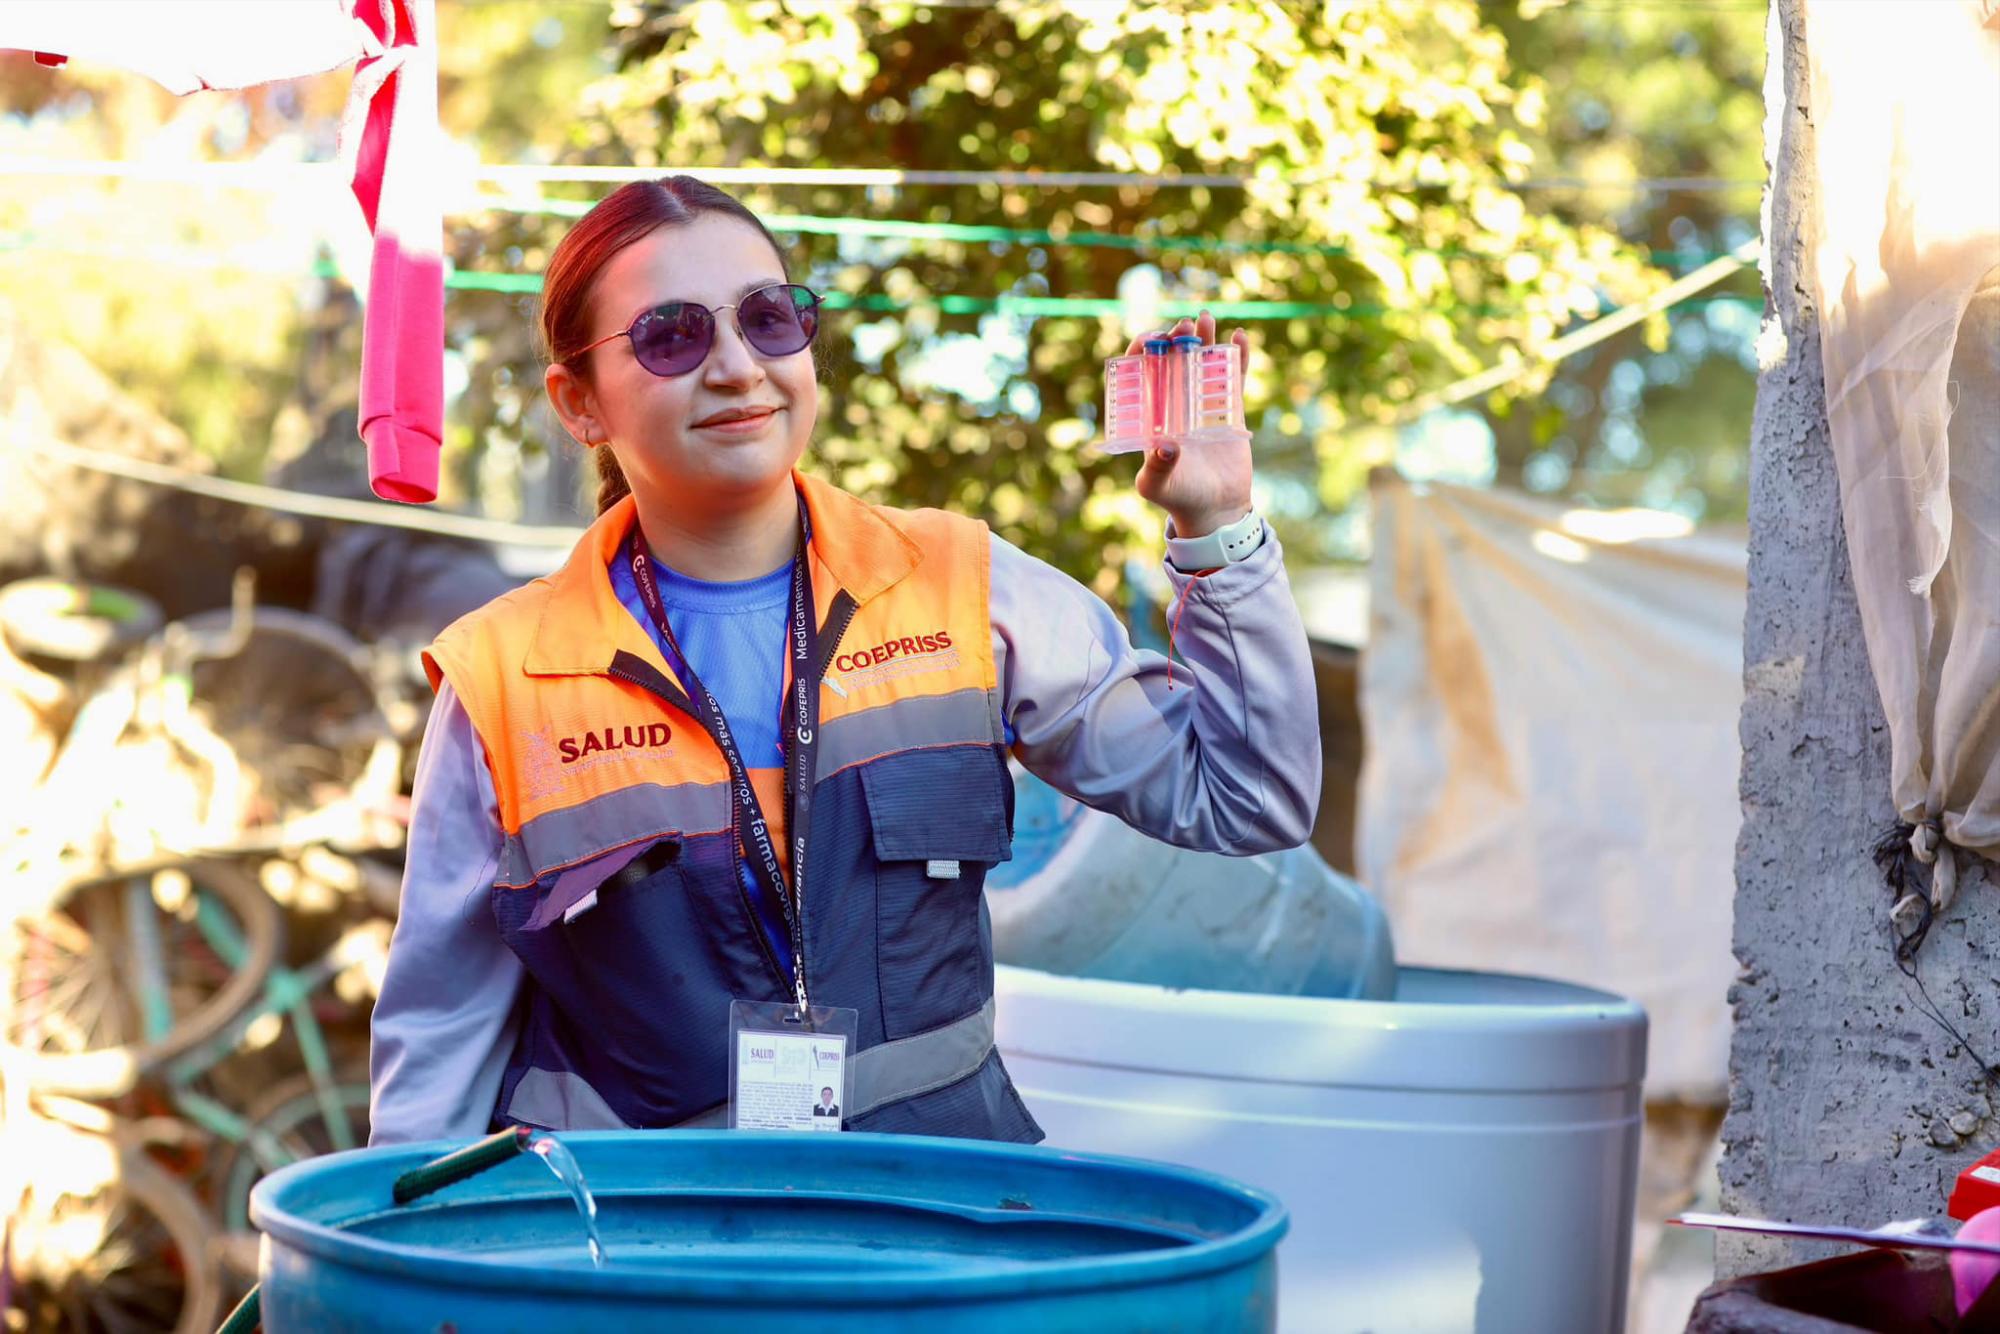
x: 1156, y: 346
x: 1187, y: 340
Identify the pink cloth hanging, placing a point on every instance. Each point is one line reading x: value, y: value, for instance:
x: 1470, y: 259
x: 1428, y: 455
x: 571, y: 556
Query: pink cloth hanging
x: 396, y: 170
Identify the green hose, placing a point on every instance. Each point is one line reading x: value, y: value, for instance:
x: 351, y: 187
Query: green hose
x: 495, y: 1149
x: 414, y: 1184
x: 248, y: 1315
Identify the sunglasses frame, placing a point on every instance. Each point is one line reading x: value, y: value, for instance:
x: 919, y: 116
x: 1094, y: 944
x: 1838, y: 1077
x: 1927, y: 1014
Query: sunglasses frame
x: 714, y: 322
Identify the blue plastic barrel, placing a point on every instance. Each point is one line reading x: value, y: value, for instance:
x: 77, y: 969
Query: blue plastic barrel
x: 805, y: 1234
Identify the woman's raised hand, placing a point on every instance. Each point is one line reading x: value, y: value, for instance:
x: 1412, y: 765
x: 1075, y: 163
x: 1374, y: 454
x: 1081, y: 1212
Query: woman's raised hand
x: 1208, y: 486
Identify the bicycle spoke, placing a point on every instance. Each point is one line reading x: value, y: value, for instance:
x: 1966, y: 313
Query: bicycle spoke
x: 95, y: 1016
x: 144, y: 1299
x: 57, y: 929
x: 57, y: 996
x: 137, y: 1280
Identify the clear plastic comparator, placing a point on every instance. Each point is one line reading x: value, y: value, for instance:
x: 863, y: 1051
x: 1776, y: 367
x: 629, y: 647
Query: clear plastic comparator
x: 1174, y: 389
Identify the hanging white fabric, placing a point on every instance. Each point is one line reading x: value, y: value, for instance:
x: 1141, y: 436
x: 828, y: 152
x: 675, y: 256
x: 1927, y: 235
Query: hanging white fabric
x: 188, y: 45
x: 1550, y: 698
x: 1904, y: 252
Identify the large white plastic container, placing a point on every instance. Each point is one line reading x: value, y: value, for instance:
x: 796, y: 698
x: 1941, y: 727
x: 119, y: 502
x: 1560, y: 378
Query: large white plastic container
x: 1461, y: 1158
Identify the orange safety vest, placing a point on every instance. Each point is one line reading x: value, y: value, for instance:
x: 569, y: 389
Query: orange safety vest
x: 604, y: 788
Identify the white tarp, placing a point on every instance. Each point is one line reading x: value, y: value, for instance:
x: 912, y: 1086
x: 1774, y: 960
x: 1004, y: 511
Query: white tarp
x: 1904, y: 243
x: 1550, y: 701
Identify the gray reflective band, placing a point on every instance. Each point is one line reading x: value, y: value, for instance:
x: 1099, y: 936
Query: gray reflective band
x: 962, y: 717
x: 575, y: 834
x: 900, y: 1069
x: 882, y: 1075
x: 578, y: 833
x: 917, y: 1064
x: 559, y: 1100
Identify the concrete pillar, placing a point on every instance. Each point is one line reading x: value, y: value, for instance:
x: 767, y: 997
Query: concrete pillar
x: 1847, y: 1104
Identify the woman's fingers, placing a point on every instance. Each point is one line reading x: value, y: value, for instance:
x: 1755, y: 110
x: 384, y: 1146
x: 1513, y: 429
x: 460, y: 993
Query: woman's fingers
x: 1202, y: 326
x: 1138, y: 345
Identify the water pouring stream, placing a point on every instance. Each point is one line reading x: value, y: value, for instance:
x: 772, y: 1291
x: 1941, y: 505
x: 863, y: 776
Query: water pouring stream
x: 563, y: 1163
x: 471, y: 1160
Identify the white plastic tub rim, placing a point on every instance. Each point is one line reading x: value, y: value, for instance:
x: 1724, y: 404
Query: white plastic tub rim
x: 1445, y: 1031
x: 1461, y: 1158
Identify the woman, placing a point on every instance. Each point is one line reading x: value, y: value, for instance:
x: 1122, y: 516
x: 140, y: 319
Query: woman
x: 631, y: 764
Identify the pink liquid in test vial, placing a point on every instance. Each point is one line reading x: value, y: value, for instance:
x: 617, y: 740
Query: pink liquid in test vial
x: 1217, y: 408
x: 1128, y: 405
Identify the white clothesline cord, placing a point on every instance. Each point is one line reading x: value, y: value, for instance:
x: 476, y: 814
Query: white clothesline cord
x: 256, y: 175
x: 420, y: 517
x: 1589, y: 335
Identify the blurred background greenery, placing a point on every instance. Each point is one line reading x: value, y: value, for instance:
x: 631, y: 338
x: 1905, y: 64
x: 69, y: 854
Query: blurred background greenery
x: 1428, y: 187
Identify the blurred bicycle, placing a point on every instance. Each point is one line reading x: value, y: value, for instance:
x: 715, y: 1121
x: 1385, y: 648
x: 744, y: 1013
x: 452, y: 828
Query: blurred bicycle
x: 139, y: 952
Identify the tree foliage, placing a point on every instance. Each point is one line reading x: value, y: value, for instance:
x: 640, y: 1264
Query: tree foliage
x: 1387, y: 147
x: 1381, y: 142
x: 1660, y: 415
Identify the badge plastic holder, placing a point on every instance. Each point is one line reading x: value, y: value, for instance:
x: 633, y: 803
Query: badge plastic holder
x: 783, y: 1064
x: 1176, y: 389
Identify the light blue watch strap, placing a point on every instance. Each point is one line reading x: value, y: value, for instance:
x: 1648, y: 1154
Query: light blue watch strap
x: 1225, y: 546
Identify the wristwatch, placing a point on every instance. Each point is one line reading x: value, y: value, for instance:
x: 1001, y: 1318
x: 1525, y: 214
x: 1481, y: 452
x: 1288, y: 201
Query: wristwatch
x: 1225, y: 546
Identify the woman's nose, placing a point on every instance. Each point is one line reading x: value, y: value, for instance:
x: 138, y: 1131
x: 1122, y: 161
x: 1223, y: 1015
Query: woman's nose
x: 731, y: 361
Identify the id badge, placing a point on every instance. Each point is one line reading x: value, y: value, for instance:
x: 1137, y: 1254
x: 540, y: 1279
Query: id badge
x: 788, y: 1071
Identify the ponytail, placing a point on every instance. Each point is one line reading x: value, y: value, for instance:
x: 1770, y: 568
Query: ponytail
x: 611, y: 484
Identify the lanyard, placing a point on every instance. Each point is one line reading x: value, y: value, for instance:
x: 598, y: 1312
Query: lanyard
x: 799, y: 739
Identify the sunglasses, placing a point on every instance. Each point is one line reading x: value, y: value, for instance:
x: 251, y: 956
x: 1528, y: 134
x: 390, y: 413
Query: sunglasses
x: 674, y: 338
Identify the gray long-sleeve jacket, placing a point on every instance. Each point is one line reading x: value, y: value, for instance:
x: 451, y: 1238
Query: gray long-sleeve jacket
x: 1226, y: 760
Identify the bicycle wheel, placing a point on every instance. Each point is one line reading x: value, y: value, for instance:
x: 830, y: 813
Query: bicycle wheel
x: 108, y: 985
x: 297, y: 704
x: 154, y: 1266
x: 290, y: 1123
x: 73, y: 622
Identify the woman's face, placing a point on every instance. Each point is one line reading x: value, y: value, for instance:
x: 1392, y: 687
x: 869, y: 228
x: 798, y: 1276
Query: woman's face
x: 667, y: 432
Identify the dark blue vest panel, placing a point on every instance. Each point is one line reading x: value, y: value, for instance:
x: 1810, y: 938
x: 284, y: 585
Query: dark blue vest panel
x: 633, y: 994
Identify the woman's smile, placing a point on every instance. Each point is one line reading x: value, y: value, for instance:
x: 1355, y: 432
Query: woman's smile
x: 741, y: 425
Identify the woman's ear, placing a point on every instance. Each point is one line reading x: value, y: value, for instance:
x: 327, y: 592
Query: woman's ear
x: 576, y: 403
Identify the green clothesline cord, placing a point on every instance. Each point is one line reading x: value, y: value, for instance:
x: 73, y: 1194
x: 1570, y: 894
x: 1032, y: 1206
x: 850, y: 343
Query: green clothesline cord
x: 475, y: 280
x: 527, y: 284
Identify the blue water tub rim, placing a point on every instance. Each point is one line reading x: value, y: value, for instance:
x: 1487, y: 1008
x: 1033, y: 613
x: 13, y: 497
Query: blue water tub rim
x: 441, y: 1266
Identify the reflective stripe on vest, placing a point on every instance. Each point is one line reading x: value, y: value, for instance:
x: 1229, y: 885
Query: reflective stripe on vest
x: 885, y: 1073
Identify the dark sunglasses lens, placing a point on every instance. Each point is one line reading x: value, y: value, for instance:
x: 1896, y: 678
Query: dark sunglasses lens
x: 779, y: 321
x: 674, y: 339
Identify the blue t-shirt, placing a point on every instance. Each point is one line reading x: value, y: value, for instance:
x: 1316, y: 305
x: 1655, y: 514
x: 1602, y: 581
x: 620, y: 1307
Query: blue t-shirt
x: 734, y: 638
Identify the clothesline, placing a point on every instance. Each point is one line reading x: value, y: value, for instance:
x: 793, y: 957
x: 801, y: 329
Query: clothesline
x: 260, y: 496
x: 254, y: 175
x: 539, y: 535
x: 978, y: 232
x: 1590, y: 335
x: 1034, y: 307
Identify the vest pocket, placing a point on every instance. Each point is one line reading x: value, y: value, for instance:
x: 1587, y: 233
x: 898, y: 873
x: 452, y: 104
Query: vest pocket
x: 938, y: 819
x: 634, y: 971
x: 616, y: 944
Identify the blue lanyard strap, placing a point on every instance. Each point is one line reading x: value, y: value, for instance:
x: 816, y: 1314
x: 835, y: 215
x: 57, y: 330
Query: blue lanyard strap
x: 798, y: 735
